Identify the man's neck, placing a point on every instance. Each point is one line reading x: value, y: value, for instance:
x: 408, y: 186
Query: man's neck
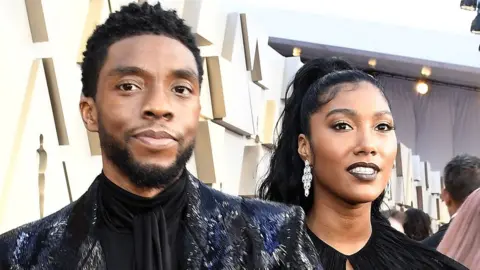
x: 452, y: 210
x: 345, y: 227
x: 453, y: 215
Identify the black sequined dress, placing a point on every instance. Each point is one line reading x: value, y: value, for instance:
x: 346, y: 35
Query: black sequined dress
x: 386, y: 249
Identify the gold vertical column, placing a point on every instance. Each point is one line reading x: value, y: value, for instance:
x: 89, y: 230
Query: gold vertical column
x: 42, y: 167
x: 93, y: 18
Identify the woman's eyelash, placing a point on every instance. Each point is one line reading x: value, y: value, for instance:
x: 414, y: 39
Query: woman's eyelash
x: 346, y: 126
x: 341, y: 126
x: 388, y: 126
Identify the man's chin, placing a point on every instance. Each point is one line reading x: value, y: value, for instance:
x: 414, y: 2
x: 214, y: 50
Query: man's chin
x: 154, y: 171
x: 153, y: 175
x: 156, y: 164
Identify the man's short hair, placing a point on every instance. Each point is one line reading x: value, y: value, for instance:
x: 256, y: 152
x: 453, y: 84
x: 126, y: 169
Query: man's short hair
x: 462, y: 176
x: 133, y: 20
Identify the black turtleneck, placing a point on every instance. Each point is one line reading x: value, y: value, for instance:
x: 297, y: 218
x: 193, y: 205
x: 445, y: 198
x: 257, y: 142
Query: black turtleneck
x: 141, y: 233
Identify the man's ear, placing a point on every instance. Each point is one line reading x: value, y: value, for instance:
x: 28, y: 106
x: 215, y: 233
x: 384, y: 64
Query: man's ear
x: 88, y: 110
x: 304, y: 148
x: 446, y: 197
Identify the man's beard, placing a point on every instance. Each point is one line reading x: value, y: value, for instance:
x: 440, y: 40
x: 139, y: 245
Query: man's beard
x: 143, y: 175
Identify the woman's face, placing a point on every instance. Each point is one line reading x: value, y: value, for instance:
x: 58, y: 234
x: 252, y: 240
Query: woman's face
x: 352, y: 144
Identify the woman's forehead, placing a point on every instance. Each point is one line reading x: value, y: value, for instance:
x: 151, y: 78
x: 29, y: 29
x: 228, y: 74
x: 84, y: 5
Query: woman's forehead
x: 362, y: 97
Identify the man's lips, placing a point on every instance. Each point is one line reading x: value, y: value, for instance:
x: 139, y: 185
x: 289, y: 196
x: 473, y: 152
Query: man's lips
x: 155, y: 134
x: 155, y: 139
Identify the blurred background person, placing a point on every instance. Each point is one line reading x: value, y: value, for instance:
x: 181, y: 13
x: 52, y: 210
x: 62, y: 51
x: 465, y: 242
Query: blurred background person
x: 396, y: 219
x: 461, y: 177
x: 417, y: 225
x: 462, y: 239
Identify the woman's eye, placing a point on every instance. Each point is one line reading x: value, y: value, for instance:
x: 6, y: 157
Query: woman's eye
x: 384, y: 127
x: 127, y: 87
x: 342, y: 126
x: 182, y: 90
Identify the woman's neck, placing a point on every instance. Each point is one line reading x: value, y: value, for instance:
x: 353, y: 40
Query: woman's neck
x: 343, y: 226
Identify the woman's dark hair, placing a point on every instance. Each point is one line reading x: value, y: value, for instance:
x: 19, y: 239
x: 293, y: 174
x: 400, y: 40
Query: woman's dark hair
x: 417, y: 224
x: 314, y: 85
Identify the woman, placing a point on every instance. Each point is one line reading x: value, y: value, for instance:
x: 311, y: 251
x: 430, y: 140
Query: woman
x: 417, y: 225
x: 462, y: 240
x: 334, y: 157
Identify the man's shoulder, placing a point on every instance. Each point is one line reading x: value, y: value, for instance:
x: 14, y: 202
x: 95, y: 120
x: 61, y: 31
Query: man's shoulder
x: 24, y: 241
x: 275, y: 229
x: 434, y: 240
x: 256, y: 210
x: 259, y: 208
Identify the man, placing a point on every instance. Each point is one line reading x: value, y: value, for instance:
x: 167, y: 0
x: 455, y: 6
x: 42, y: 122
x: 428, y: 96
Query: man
x: 141, y: 80
x: 461, y: 177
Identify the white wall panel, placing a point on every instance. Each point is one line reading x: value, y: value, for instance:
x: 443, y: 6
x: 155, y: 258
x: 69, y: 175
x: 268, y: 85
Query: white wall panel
x: 233, y: 151
x: 230, y: 96
x: 255, y: 163
x: 209, y: 152
x: 233, y: 48
x: 257, y: 97
x: 292, y: 65
x: 19, y: 180
x: 205, y: 17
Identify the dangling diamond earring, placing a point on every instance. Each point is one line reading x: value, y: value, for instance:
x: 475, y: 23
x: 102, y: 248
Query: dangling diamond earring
x: 307, y: 178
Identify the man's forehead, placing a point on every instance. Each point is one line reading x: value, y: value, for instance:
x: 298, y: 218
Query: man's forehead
x: 150, y: 52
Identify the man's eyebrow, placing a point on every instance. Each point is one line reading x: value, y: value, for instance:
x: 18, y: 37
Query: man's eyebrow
x: 182, y: 73
x: 187, y: 74
x: 128, y: 70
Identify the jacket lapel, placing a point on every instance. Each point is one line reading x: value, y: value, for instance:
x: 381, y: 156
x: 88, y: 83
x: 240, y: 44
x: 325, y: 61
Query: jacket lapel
x: 214, y: 229
x: 196, y: 226
x: 80, y: 248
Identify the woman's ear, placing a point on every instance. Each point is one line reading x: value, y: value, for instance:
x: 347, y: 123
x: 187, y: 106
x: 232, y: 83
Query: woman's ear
x: 89, y: 113
x: 304, y: 148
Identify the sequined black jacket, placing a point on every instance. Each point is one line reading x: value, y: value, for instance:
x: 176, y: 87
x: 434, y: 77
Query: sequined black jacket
x: 222, y: 232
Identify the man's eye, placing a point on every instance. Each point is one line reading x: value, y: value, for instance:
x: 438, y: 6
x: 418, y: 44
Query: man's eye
x: 128, y: 87
x: 182, y: 90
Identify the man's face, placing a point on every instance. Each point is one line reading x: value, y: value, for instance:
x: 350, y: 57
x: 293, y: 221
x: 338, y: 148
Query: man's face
x: 146, y: 108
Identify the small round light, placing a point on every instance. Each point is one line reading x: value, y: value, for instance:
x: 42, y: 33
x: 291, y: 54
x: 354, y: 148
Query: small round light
x: 372, y: 62
x: 426, y: 71
x: 297, y: 51
x: 421, y: 87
